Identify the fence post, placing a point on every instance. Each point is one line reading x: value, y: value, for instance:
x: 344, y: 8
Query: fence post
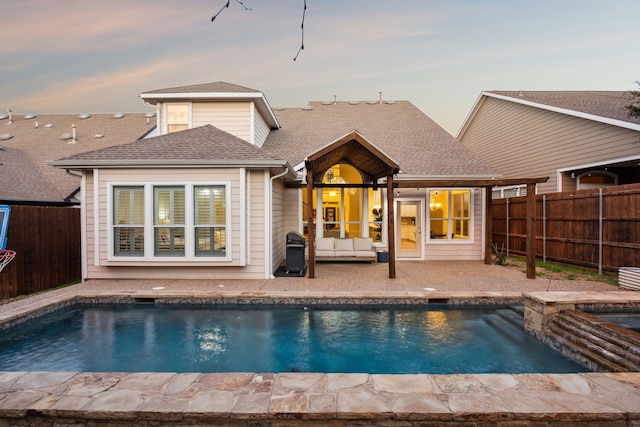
x: 600, y: 231
x: 507, y: 231
x: 544, y: 228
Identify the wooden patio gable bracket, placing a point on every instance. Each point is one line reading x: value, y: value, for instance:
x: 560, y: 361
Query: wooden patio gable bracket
x: 355, y: 150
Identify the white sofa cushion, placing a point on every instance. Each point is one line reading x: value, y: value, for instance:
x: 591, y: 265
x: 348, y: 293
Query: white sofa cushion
x: 325, y: 253
x: 324, y: 244
x: 364, y: 254
x: 343, y: 245
x: 362, y: 244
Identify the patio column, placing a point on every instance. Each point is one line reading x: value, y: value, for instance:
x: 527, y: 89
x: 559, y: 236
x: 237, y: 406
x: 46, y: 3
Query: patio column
x: 310, y: 230
x: 488, y: 226
x: 391, y: 228
x: 531, y: 230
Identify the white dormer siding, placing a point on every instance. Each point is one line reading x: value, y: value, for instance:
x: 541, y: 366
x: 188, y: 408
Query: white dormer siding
x: 260, y: 128
x: 239, y: 118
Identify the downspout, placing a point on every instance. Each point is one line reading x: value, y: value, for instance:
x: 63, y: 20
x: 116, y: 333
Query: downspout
x: 269, y: 272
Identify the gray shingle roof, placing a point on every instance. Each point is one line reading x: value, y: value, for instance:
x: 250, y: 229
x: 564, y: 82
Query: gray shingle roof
x: 204, y: 145
x: 214, y: 87
x: 43, y: 143
x: 399, y: 129
x: 22, y: 181
x: 607, y: 104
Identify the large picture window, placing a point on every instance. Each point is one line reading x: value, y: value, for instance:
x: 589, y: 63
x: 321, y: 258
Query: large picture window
x: 176, y: 221
x: 450, y: 214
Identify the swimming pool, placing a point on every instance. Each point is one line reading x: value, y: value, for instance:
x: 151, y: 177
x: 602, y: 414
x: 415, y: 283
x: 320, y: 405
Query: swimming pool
x: 272, y: 338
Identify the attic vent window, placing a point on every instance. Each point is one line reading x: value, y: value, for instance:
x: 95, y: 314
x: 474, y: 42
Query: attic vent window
x: 84, y: 116
x: 150, y: 115
x: 390, y: 102
x: 307, y: 108
x: 4, y: 116
x: 65, y: 136
x: 30, y: 116
x: 49, y: 125
x: 327, y: 102
x: 354, y: 102
x: 372, y: 102
x: 98, y: 135
x: 118, y: 115
x: 5, y: 136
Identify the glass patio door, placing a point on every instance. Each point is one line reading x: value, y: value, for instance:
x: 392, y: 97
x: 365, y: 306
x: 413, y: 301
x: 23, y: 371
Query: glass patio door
x: 409, y: 229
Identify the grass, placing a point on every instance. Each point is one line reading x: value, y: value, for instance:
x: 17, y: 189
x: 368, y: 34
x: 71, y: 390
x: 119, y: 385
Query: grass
x: 554, y: 270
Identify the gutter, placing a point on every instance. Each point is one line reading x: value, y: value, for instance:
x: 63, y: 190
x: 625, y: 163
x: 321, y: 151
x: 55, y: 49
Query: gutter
x: 269, y: 271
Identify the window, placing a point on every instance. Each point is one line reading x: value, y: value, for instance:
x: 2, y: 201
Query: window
x: 169, y: 221
x: 184, y: 222
x: 450, y: 214
x: 210, y: 220
x: 128, y: 221
x: 177, y: 117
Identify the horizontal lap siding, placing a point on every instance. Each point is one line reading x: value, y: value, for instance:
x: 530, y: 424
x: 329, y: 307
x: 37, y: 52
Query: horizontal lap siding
x: 186, y: 270
x: 261, y: 129
x: 521, y: 141
x: 461, y: 251
x: 231, y: 117
x: 279, y: 231
x: 291, y: 213
x: 256, y: 218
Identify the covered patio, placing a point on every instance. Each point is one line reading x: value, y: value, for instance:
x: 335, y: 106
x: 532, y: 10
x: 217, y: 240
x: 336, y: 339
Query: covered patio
x: 378, y: 169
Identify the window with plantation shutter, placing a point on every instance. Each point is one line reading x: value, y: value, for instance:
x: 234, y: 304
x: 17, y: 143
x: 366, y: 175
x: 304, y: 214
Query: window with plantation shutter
x: 179, y: 222
x: 210, y: 220
x: 169, y: 221
x: 128, y: 224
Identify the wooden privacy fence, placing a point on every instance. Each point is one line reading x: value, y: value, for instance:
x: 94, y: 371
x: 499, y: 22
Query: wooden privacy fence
x: 47, y: 244
x: 597, y: 228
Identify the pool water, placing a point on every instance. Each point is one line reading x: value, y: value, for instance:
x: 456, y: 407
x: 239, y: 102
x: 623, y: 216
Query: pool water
x: 270, y: 338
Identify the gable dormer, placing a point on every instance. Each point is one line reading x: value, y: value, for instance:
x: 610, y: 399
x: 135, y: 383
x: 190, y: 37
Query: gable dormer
x: 240, y: 111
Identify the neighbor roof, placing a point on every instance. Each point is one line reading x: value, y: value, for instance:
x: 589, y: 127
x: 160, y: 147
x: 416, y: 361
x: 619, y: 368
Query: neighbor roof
x: 39, y: 138
x: 397, y: 128
x: 22, y: 181
x: 202, y: 146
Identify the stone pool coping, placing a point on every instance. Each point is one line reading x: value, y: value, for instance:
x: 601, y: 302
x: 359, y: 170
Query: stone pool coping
x: 249, y: 399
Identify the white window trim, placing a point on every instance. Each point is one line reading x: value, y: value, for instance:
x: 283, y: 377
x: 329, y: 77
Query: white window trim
x: 448, y: 241
x: 149, y: 255
x: 165, y: 114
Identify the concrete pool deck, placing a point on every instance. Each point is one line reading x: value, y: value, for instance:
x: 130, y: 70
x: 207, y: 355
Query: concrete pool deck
x: 335, y: 400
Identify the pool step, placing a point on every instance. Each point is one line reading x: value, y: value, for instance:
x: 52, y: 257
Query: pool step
x: 594, y: 342
x: 512, y: 315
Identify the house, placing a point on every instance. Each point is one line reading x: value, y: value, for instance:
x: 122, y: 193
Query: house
x: 215, y: 193
x: 580, y: 139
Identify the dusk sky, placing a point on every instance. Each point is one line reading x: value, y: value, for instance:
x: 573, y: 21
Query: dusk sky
x: 71, y: 56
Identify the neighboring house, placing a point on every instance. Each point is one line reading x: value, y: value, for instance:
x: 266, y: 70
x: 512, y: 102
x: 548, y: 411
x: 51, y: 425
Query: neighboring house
x: 29, y: 141
x: 580, y: 139
x: 214, y: 194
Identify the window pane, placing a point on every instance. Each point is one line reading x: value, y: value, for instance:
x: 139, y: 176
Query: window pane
x: 439, y: 229
x: 177, y: 117
x: 128, y: 221
x: 210, y: 220
x: 169, y: 217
